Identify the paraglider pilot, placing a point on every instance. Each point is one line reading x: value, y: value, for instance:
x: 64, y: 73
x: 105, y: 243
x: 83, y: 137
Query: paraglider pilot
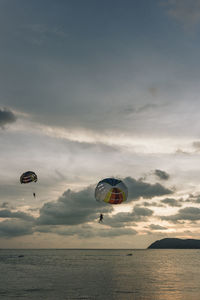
x: 101, y: 218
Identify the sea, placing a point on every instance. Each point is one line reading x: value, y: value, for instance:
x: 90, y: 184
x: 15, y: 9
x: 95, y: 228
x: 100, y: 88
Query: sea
x: 100, y: 274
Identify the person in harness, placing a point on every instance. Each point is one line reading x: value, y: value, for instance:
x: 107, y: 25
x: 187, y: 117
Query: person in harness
x: 101, y: 218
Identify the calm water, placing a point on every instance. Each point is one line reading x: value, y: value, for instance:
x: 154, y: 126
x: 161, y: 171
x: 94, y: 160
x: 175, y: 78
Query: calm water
x: 100, y: 274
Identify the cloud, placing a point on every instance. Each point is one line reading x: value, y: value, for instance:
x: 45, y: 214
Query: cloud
x: 153, y: 91
x: 18, y: 214
x: 192, y: 198
x: 198, y: 199
x: 39, y: 34
x: 12, y: 228
x: 86, y: 231
x: 161, y: 174
x: 154, y: 204
x: 73, y: 208
x: 184, y: 11
x: 171, y: 202
x: 6, y: 117
x: 116, y: 232
x: 196, y: 145
x: 147, y: 107
x: 182, y: 152
x: 139, y: 188
x: 187, y: 213
x: 142, y: 211
x: 157, y: 227
x: 138, y: 214
x: 78, y: 208
x: 4, y: 205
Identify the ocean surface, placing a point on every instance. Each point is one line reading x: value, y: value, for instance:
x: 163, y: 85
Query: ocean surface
x: 100, y: 274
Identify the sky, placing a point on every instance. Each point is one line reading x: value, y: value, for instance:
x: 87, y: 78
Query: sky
x: 94, y: 89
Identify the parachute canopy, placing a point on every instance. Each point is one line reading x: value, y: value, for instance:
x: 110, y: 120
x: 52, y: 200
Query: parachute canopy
x: 28, y: 176
x: 111, y: 190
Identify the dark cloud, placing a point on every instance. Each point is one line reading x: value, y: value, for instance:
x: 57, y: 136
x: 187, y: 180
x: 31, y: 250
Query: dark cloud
x: 6, y: 117
x: 180, y: 151
x: 184, y: 11
x: 120, y: 219
x: 196, y: 145
x: 161, y: 174
x: 4, y: 205
x: 157, y: 227
x: 153, y: 204
x: 18, y: 214
x: 79, y: 88
x: 138, y: 214
x: 139, y: 188
x: 13, y: 228
x: 116, y: 232
x: 147, y: 107
x: 73, y: 208
x: 86, y: 231
x: 198, y: 199
x: 192, y: 199
x: 187, y: 214
x: 127, y: 109
x: 171, y: 202
x: 153, y: 91
x: 79, y: 208
x: 142, y: 211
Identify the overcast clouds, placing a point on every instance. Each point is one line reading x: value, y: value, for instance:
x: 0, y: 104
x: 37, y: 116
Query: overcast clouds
x: 93, y: 89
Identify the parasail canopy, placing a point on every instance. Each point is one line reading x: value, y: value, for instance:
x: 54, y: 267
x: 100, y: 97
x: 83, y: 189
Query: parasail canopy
x: 111, y: 190
x: 28, y: 176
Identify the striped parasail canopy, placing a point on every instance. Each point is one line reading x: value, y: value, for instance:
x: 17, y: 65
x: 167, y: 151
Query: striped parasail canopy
x: 28, y: 176
x: 111, y: 190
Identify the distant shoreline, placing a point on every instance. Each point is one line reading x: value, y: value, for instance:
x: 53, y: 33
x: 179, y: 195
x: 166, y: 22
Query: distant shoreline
x: 174, y: 243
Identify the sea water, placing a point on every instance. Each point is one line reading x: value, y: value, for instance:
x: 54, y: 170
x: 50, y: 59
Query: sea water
x: 100, y: 274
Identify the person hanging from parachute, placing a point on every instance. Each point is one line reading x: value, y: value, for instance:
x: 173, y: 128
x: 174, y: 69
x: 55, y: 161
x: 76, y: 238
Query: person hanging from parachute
x: 112, y: 191
x: 101, y: 218
x: 28, y: 177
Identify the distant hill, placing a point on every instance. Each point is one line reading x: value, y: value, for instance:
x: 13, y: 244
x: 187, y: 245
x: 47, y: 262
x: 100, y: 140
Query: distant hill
x: 174, y: 243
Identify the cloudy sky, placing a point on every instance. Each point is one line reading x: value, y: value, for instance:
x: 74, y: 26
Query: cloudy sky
x: 94, y: 89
